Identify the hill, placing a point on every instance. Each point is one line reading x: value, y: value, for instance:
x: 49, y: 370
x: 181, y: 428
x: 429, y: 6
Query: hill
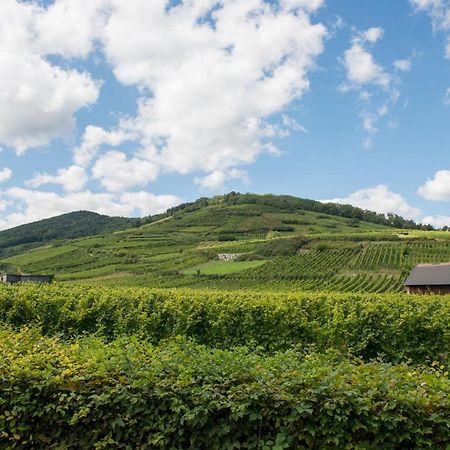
x: 66, y: 226
x: 276, y: 242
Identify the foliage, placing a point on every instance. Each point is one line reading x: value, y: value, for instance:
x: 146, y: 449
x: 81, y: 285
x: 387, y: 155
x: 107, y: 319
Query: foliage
x: 127, y: 395
x: 66, y: 226
x: 396, y: 326
x: 282, y: 247
x: 291, y: 204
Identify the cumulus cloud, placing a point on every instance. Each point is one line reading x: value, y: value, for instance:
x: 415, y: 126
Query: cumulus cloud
x: 225, y: 69
x: 373, y: 34
x: 38, y: 98
x: 217, y: 179
x: 69, y: 27
x: 437, y: 188
x: 36, y: 205
x: 94, y: 138
x: 437, y: 221
x: 360, y: 65
x: 72, y: 179
x: 5, y: 174
x: 147, y: 203
x: 380, y: 199
x: 117, y: 173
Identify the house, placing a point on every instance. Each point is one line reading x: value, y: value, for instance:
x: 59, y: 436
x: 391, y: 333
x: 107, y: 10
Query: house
x: 13, y: 278
x: 429, y: 279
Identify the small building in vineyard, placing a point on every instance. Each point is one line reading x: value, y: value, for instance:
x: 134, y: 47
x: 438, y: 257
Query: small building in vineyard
x: 14, y: 278
x: 429, y: 279
x: 227, y: 256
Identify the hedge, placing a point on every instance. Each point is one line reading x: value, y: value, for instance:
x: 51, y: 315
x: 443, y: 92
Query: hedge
x: 127, y: 394
x: 396, y: 326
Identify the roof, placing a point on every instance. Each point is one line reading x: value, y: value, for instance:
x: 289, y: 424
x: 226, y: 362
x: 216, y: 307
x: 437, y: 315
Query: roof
x: 429, y: 275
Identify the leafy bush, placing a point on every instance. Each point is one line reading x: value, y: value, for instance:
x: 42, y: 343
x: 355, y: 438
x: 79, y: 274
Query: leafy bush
x: 225, y: 237
x: 282, y: 247
x: 127, y: 395
x: 397, y: 326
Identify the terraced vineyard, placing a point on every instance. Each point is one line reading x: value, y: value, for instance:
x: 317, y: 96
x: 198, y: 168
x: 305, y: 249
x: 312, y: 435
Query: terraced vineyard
x: 335, y: 253
x: 374, y: 267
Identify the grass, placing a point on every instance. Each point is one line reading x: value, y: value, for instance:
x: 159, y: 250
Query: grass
x: 223, y: 267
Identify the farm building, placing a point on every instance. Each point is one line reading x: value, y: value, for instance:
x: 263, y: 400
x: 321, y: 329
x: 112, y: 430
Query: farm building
x: 13, y: 278
x: 429, y: 279
x: 227, y: 256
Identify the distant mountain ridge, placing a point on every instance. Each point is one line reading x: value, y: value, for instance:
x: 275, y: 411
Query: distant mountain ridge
x: 66, y: 226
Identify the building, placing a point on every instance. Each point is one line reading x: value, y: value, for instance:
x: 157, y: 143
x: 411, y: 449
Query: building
x: 227, y: 256
x: 429, y: 279
x: 13, y: 278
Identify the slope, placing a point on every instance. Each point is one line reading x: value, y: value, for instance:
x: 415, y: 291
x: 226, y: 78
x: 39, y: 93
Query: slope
x: 282, y: 244
x: 66, y: 226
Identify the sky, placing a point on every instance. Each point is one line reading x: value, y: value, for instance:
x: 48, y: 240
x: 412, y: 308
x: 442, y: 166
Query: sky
x: 127, y: 108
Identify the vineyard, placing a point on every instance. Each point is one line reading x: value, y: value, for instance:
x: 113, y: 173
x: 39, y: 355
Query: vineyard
x: 100, y: 368
x: 372, y: 267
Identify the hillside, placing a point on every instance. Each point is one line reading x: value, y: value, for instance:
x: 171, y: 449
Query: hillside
x: 278, y: 244
x: 66, y: 226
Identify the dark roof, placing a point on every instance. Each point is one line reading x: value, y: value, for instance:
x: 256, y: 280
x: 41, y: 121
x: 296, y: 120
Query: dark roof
x: 429, y: 275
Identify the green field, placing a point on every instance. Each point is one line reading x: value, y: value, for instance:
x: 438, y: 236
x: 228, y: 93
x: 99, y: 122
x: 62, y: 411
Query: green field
x: 222, y: 267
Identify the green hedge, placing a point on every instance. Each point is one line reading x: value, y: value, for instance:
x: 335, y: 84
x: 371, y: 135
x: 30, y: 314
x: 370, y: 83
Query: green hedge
x: 396, y: 326
x: 129, y: 395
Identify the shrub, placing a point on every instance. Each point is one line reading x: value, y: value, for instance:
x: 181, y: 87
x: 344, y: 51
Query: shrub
x: 128, y: 394
x: 397, y: 326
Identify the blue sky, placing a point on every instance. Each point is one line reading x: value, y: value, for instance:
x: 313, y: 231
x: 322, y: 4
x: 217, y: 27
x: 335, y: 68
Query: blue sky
x: 127, y: 108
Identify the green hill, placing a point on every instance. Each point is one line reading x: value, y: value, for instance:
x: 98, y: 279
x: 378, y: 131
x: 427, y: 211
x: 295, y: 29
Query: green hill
x: 279, y: 242
x: 66, y: 226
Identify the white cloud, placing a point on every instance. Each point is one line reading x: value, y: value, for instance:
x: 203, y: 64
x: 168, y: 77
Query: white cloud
x: 38, y: 99
x: 307, y: 5
x: 5, y: 174
x: 93, y: 138
x: 370, y: 80
x: 37, y: 205
x: 147, y: 203
x: 380, y: 199
x: 217, y: 179
x: 439, y: 12
x: 361, y: 68
x: 69, y: 27
x: 437, y: 221
x: 72, y: 179
x: 117, y: 173
x: 437, y: 188
x: 403, y: 65
x: 225, y: 69
x: 373, y: 34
